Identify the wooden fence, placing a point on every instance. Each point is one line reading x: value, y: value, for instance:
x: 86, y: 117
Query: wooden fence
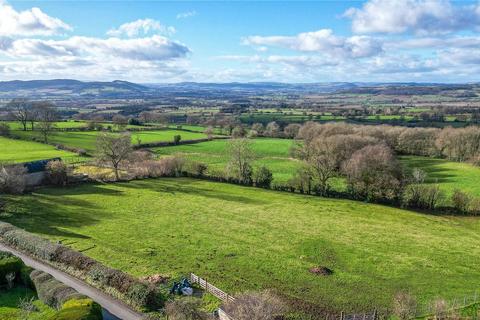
x: 208, y: 287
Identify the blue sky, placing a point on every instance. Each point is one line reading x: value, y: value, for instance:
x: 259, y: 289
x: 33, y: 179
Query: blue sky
x: 220, y: 41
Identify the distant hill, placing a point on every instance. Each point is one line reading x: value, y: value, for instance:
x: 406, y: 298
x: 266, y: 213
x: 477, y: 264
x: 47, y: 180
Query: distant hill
x: 64, y: 87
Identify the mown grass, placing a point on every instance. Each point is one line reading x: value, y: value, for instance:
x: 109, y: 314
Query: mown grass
x: 13, y: 150
x: 243, y: 238
x: 87, y: 139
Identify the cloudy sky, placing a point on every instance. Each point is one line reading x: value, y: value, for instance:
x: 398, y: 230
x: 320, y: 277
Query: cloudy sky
x: 287, y: 41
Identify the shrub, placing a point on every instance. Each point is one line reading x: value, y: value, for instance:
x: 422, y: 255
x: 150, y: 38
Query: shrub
x: 4, y: 130
x: 10, y: 267
x: 461, y: 201
x: 57, y: 172
x: 423, y: 196
x: 404, y: 306
x: 198, y: 168
x: 185, y: 309
x: 474, y: 206
x: 256, y: 306
x: 73, y: 258
x: 263, y: 177
x: 177, y: 138
x: 12, y: 179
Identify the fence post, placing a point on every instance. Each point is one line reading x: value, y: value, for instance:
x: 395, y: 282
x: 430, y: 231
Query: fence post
x: 341, y: 316
x: 375, y: 314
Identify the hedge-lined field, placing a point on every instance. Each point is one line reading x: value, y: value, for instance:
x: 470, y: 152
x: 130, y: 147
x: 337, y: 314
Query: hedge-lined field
x: 246, y: 238
x: 272, y: 153
x: 87, y: 139
x: 13, y: 150
x: 448, y: 175
x: 275, y: 155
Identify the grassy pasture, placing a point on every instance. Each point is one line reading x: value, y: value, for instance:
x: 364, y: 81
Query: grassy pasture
x: 448, y: 175
x: 87, y: 139
x: 272, y: 153
x: 244, y: 238
x: 13, y: 150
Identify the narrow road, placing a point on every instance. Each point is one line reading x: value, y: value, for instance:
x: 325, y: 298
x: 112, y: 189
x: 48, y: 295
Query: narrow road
x: 112, y: 305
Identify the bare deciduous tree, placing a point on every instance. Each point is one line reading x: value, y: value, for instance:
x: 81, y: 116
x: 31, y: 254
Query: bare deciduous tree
x: 241, y: 156
x: 46, y: 115
x: 21, y: 111
x: 113, y: 149
x: 404, y: 305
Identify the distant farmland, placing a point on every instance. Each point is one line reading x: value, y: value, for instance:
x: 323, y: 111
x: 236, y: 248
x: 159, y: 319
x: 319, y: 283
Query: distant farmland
x: 87, y: 139
x: 13, y: 150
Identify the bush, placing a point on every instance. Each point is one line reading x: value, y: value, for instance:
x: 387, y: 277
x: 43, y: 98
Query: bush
x: 423, y: 196
x: 177, y: 138
x: 199, y: 168
x: 404, y: 306
x: 12, y: 179
x: 30, y: 243
x: 9, y: 264
x: 185, y: 309
x: 57, y: 172
x: 4, y: 130
x: 264, y: 305
x: 263, y: 177
x: 461, y: 201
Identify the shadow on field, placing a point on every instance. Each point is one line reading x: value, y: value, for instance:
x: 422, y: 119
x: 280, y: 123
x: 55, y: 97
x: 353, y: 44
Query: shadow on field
x: 48, y: 211
x: 188, y: 186
x: 435, y: 173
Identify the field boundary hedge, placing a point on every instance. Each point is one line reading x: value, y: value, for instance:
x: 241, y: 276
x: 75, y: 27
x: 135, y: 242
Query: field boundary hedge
x: 116, y: 283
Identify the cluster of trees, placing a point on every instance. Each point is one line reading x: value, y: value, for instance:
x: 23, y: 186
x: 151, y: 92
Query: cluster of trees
x: 457, y: 144
x: 40, y: 116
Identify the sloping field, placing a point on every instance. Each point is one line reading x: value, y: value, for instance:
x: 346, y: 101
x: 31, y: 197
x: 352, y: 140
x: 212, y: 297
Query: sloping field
x: 87, y: 139
x: 22, y: 151
x: 243, y: 238
x: 272, y: 153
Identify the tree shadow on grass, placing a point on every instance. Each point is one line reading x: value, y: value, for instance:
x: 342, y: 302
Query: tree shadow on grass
x: 50, y: 210
x: 435, y: 173
x: 190, y: 186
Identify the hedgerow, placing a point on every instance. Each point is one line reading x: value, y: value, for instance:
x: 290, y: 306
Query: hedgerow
x: 51, y: 291
x: 115, y: 282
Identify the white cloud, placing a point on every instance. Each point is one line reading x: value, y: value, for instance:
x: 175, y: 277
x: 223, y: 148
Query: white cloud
x: 140, y: 27
x: 29, y: 22
x: 322, y: 41
x: 154, y: 48
x: 414, y: 16
x: 188, y: 14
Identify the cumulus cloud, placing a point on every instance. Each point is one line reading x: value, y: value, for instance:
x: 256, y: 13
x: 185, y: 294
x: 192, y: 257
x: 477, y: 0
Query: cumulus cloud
x: 413, y: 16
x: 29, y: 22
x: 188, y: 14
x: 154, y: 48
x: 140, y: 27
x: 321, y: 41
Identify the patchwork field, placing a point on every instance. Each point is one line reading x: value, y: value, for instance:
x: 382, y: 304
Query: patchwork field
x: 23, y: 151
x: 87, y: 139
x: 177, y: 226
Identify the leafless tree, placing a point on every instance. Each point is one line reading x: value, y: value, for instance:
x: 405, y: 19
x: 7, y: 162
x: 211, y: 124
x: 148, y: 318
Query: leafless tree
x: 404, y: 306
x: 272, y: 129
x: 120, y: 122
x: 47, y: 116
x: 291, y: 131
x: 113, y: 149
x: 21, y: 111
x: 241, y: 156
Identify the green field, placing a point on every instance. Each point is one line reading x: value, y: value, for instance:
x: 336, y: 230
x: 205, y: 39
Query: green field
x: 272, y: 153
x: 243, y: 238
x: 24, y: 151
x: 448, y: 175
x: 87, y: 139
